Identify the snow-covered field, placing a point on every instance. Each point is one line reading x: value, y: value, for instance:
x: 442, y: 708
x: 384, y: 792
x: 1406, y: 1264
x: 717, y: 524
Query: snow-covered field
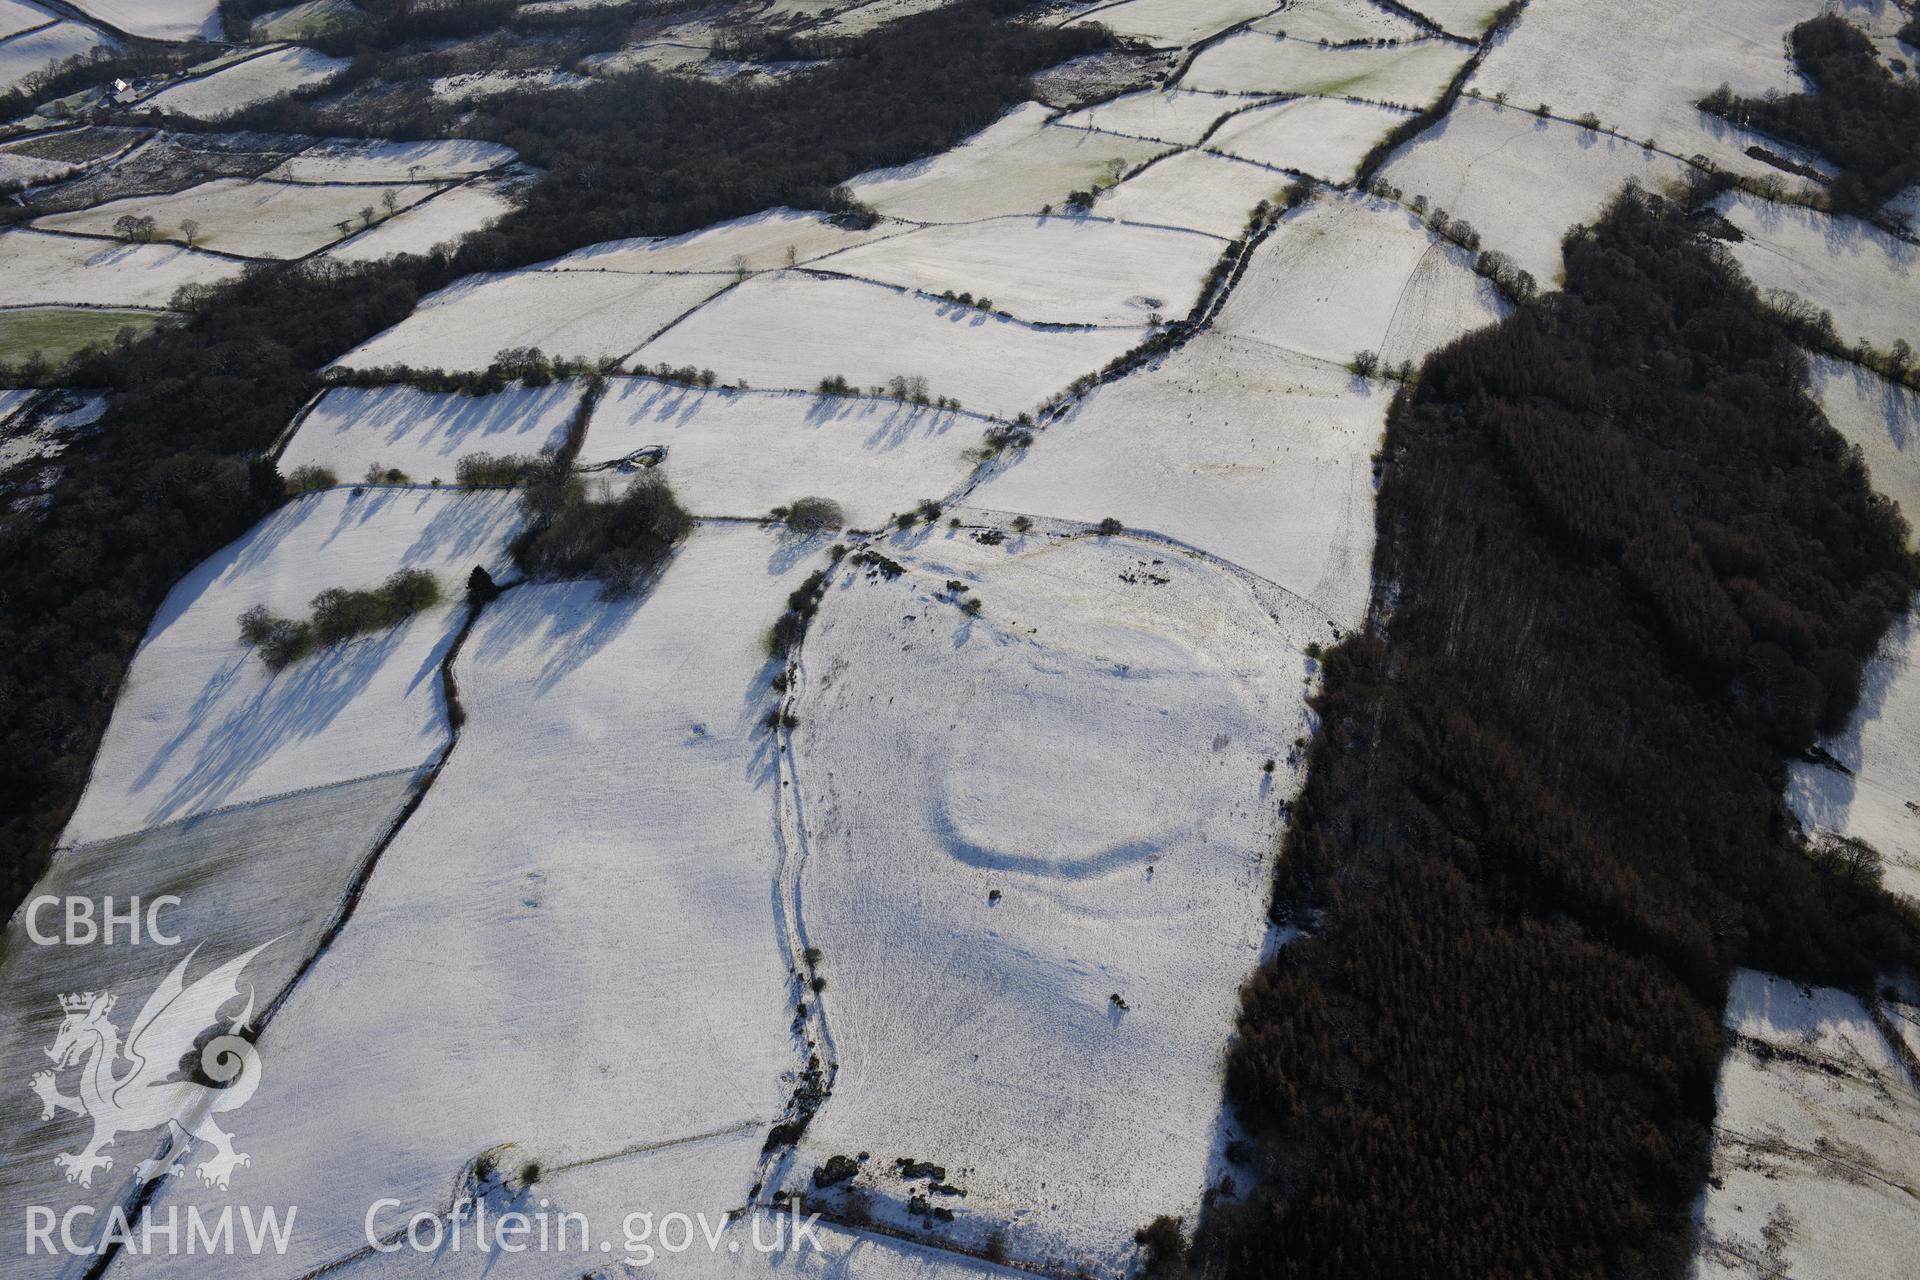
x: 1057, y: 270
x: 32, y: 53
x: 1255, y: 455
x: 275, y: 872
x: 742, y: 453
x: 1018, y: 164
x: 1027, y: 989
x: 762, y: 242
x: 1865, y: 277
x: 1640, y: 65
x: 790, y: 330
x: 157, y: 19
x: 1192, y: 189
x: 434, y: 221
x: 17, y: 16
x: 253, y: 219
x: 577, y: 314
x: 1346, y: 274
x: 1459, y: 17
x: 1176, y: 116
x: 570, y: 950
x: 43, y: 269
x: 425, y: 434
x: 1879, y: 800
x: 1817, y: 1137
x: 354, y: 160
x: 1175, y: 23
x: 1522, y: 181
x: 1338, y: 21
x: 242, y: 84
x: 1409, y: 75
x: 1325, y: 137
x: 202, y: 723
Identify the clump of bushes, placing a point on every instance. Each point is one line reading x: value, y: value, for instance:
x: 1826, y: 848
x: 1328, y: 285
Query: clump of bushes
x: 573, y: 532
x: 308, y: 478
x: 812, y: 515
x: 339, y: 614
x: 494, y: 470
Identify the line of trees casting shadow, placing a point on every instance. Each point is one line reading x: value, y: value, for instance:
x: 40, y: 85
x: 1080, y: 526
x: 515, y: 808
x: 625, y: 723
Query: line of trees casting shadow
x: 1636, y: 570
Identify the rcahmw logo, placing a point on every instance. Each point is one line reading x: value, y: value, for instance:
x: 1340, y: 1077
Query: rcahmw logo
x: 132, y: 1086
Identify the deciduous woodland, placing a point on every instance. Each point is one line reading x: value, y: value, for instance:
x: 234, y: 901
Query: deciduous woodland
x: 1625, y: 567
x: 1859, y: 116
x: 168, y: 480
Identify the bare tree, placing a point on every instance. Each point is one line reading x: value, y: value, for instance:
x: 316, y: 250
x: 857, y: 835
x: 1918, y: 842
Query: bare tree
x: 189, y: 229
x: 391, y: 200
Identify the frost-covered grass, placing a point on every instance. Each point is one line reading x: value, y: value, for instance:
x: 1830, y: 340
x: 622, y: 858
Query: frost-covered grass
x: 1090, y: 745
x: 571, y: 948
x: 1522, y: 181
x: 254, y: 219
x: 33, y: 52
x: 274, y: 872
x: 474, y: 86
x: 758, y: 243
x: 1175, y: 23
x: 157, y: 19
x: 1192, y: 189
x: 50, y: 270
x: 1410, y: 75
x: 1817, y: 1135
x: 1640, y: 65
x: 1325, y: 137
x: 1248, y: 453
x: 1337, y: 21
x: 354, y: 160
x: 742, y: 453
x: 425, y: 434
x: 304, y: 21
x: 1346, y: 274
x: 242, y: 84
x: 1176, y: 116
x: 791, y: 330
x: 1018, y: 164
x: 59, y: 332
x: 575, y: 314
x: 440, y: 219
x: 202, y: 722
x: 1459, y: 17
x: 1057, y: 270
x: 1865, y: 277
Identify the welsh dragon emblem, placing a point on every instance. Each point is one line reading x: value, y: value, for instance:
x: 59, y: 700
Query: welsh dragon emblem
x: 137, y: 1086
